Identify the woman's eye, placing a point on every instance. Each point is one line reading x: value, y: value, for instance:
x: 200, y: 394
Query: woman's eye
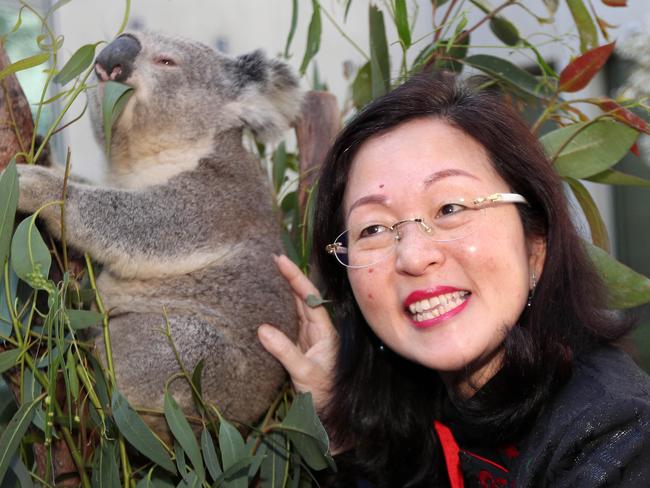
x: 372, y: 230
x: 450, y: 209
x: 165, y: 61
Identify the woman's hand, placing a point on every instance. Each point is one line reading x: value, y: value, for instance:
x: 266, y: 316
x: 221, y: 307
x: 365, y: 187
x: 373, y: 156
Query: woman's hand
x: 310, y: 362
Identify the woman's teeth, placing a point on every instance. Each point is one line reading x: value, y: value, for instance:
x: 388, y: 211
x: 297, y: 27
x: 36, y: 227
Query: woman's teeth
x: 430, y: 308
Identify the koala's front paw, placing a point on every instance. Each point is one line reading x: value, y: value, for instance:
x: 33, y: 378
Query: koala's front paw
x: 38, y: 186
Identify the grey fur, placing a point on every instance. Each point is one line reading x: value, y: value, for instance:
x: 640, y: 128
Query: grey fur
x: 187, y: 222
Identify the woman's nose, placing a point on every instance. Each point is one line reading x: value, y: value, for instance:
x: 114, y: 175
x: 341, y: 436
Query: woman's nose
x: 416, y: 251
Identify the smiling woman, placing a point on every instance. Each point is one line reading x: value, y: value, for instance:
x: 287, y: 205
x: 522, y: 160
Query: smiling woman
x: 472, y: 344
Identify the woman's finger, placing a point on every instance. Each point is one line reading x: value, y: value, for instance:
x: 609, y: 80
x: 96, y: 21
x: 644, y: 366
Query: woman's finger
x: 285, y: 351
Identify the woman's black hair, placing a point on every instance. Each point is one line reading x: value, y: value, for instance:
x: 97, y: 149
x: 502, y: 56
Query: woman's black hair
x: 385, y: 405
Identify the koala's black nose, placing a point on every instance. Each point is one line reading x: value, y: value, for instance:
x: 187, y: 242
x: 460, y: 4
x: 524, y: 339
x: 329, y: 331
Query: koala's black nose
x: 115, y: 61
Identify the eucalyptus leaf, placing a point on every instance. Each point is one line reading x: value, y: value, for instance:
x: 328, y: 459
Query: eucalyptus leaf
x: 362, y: 86
x: 183, y: 433
x: 8, y: 359
x: 597, y: 226
x: 505, y: 30
x: 23, y: 64
x: 210, y: 455
x: 626, y: 287
x: 6, y: 328
x: 116, y: 95
x: 13, y: 434
x: 233, y: 449
x: 402, y: 23
x: 196, y: 381
x: 613, y: 177
x: 275, y: 465
x: 71, y: 374
x: 509, y: 73
x: 190, y: 481
x: 179, y: 454
x: 138, y: 434
x: 379, y: 60
x: 585, y: 149
x: 292, y: 29
x: 259, y: 456
x: 306, y: 432
x: 8, y: 204
x: 30, y: 257
x: 585, y: 24
x: 82, y: 319
x: 32, y: 389
x: 76, y: 65
x: 236, y: 474
x: 312, y: 301
x: 105, y: 468
x: 279, y: 166
x: 21, y: 473
x: 313, y: 36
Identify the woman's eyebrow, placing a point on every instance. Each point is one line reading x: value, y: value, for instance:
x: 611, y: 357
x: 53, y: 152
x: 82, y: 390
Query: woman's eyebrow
x: 368, y: 199
x: 445, y: 173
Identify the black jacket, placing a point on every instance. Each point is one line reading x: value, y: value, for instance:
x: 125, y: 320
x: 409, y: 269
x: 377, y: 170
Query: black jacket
x: 595, y: 433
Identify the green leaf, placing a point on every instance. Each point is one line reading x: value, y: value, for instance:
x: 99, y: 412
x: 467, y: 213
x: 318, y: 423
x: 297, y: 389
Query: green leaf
x: 596, y: 224
x: 505, y: 30
x: 306, y: 432
x: 313, y: 36
x: 8, y: 359
x: 362, y: 87
x: 232, y: 450
x: 115, y: 97
x: 451, y: 58
x: 21, y: 472
x: 379, y: 60
x: 13, y: 434
x: 274, y: 468
x: 585, y: 24
x: 23, y: 64
x: 279, y: 166
x: 312, y: 301
x: 32, y: 389
x: 106, y: 473
x: 439, y: 3
x: 8, y: 204
x: 77, y: 64
x: 546, y: 68
x: 71, y: 374
x: 585, y: 149
x: 292, y: 29
x: 626, y: 287
x: 6, y: 327
x: 402, y: 23
x: 196, y: 381
x: 179, y: 454
x: 613, y: 177
x: 138, y: 434
x: 260, y: 454
x: 210, y: 455
x: 82, y: 319
x: 232, y: 477
x: 183, y: 433
x: 509, y: 73
x: 30, y: 257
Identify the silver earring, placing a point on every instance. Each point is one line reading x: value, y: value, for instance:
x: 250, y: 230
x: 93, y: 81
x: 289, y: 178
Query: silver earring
x: 531, y: 292
x: 381, y: 348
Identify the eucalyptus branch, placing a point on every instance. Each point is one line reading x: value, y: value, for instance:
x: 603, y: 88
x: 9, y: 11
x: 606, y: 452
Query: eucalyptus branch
x: 12, y: 117
x: 544, y: 115
x: 445, y: 18
x: 485, y: 19
x: 64, y: 195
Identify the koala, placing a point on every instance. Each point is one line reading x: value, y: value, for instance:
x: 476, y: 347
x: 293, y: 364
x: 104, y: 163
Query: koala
x: 185, y: 221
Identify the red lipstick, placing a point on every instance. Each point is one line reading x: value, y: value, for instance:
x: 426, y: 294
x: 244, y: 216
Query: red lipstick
x: 419, y: 295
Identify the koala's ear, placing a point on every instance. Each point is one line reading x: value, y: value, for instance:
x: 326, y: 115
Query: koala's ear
x: 267, y: 95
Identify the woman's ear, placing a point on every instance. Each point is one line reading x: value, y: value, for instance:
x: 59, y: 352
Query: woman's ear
x: 536, y: 254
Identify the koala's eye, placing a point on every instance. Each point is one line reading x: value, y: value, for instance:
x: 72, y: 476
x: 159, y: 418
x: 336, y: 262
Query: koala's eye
x: 165, y: 61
